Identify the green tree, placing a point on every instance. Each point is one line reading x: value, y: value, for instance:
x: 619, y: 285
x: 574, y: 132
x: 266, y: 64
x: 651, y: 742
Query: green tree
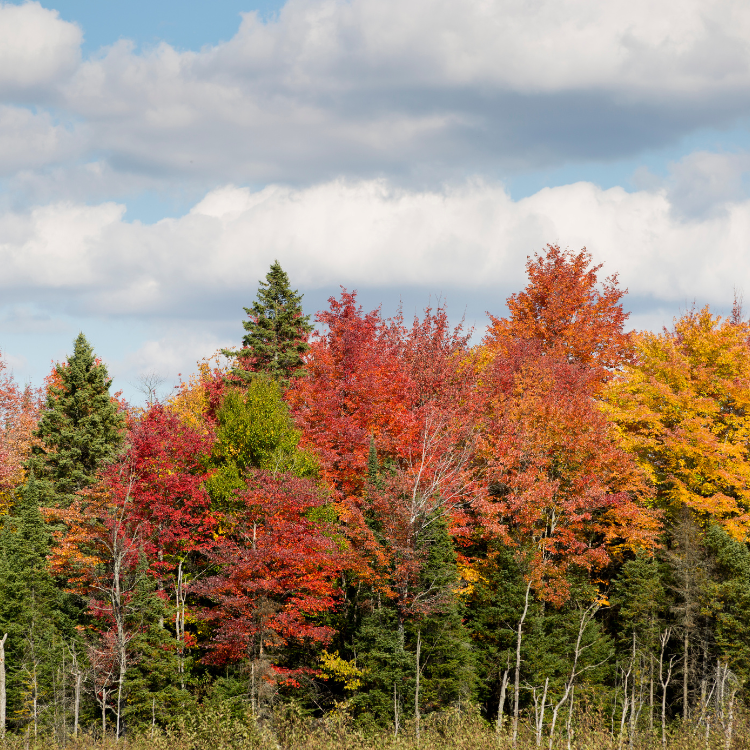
x: 81, y: 428
x: 31, y: 612
x: 254, y: 431
x: 277, y: 331
x: 448, y: 666
x: 731, y: 577
x: 156, y: 689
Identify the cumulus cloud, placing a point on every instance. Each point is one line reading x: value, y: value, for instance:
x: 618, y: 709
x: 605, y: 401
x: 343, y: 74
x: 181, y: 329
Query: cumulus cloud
x: 465, y: 238
x: 37, y: 49
x: 29, y: 140
x: 427, y: 90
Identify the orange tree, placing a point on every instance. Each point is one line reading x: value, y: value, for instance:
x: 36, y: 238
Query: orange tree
x: 19, y: 412
x: 683, y: 409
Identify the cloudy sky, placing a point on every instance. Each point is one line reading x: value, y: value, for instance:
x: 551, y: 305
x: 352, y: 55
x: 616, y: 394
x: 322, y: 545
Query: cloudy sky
x: 155, y: 157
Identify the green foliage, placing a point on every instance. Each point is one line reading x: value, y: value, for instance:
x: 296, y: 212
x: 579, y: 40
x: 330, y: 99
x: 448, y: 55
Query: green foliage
x: 732, y: 599
x: 255, y: 431
x: 156, y: 688
x: 640, y: 599
x: 277, y: 331
x: 31, y: 611
x: 387, y: 665
x: 448, y: 657
x: 80, y: 430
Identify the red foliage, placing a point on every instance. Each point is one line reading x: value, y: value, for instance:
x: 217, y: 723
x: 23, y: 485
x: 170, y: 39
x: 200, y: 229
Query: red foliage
x: 163, y: 474
x: 563, y: 309
x: 357, y: 386
x: 278, y: 570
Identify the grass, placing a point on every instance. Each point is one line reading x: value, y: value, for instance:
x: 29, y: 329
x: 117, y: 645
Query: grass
x: 216, y: 729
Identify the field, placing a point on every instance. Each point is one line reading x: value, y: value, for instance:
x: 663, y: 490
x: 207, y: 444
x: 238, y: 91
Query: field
x: 216, y: 730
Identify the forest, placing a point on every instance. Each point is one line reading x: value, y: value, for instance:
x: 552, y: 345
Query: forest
x: 360, y: 531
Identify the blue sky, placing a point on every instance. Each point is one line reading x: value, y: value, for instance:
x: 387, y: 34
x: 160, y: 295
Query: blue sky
x: 156, y: 157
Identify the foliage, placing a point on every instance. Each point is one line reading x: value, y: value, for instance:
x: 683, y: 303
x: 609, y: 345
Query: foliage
x: 80, y: 430
x: 19, y: 412
x: 682, y: 410
x: 277, y: 331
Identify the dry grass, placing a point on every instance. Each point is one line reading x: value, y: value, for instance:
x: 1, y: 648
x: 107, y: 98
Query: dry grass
x: 216, y: 730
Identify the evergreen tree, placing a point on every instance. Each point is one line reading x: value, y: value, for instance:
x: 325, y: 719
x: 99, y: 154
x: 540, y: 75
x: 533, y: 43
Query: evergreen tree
x: 155, y: 687
x: 448, y: 666
x: 81, y: 428
x: 277, y: 331
x: 30, y: 611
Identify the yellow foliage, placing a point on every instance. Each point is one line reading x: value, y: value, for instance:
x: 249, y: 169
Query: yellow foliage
x: 191, y: 400
x: 683, y: 409
x: 333, y: 667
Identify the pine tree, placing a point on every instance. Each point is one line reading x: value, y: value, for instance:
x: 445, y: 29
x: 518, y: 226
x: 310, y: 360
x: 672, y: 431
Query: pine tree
x: 81, y: 428
x: 277, y: 331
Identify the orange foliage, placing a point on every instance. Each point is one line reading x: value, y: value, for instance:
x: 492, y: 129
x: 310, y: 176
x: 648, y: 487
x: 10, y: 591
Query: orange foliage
x: 19, y: 413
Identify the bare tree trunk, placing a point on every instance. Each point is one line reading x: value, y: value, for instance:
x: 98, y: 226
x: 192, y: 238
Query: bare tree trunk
x: 396, y: 723
x: 104, y: 712
x: 77, y: 701
x: 586, y: 617
x: 3, y: 694
x: 501, y: 702
x: 539, y: 713
x: 416, y: 690
x: 569, y: 725
x: 650, y: 690
x: 179, y: 623
x: 517, y: 684
x: 685, y: 673
x: 664, y: 638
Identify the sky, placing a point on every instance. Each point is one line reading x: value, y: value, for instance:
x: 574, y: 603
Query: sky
x: 156, y: 157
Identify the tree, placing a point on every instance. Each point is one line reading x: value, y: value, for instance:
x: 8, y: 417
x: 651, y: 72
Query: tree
x: 277, y: 331
x: 19, y: 412
x: 565, y: 311
x: 30, y: 610
x: 682, y: 408
x: 80, y: 430
x: 277, y: 566
x: 253, y: 430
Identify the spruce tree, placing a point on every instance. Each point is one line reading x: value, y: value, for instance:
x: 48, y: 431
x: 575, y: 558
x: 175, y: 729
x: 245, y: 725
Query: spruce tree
x: 277, y: 331
x: 80, y: 430
x: 30, y: 610
x: 448, y: 662
x: 155, y: 688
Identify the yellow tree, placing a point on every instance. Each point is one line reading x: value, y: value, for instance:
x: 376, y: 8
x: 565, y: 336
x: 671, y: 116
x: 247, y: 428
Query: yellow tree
x: 683, y: 409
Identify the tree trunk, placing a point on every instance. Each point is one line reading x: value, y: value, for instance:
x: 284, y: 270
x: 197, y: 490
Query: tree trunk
x: 664, y: 638
x: 517, y: 683
x: 685, y: 674
x: 416, y: 690
x: 3, y: 695
x: 395, y: 711
x: 501, y: 702
x: 77, y: 702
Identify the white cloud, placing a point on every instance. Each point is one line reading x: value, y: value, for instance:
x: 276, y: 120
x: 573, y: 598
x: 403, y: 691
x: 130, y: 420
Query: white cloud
x: 37, y: 48
x: 372, y: 87
x: 29, y: 140
x: 470, y: 236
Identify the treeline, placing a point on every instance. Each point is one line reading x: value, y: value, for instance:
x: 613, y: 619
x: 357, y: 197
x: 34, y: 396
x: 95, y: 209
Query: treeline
x: 383, y: 523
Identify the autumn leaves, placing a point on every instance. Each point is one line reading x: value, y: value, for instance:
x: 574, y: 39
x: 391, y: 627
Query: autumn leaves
x: 349, y: 487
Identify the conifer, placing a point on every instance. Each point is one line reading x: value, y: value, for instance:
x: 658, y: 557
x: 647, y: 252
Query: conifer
x: 81, y: 428
x: 30, y: 608
x: 277, y: 331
